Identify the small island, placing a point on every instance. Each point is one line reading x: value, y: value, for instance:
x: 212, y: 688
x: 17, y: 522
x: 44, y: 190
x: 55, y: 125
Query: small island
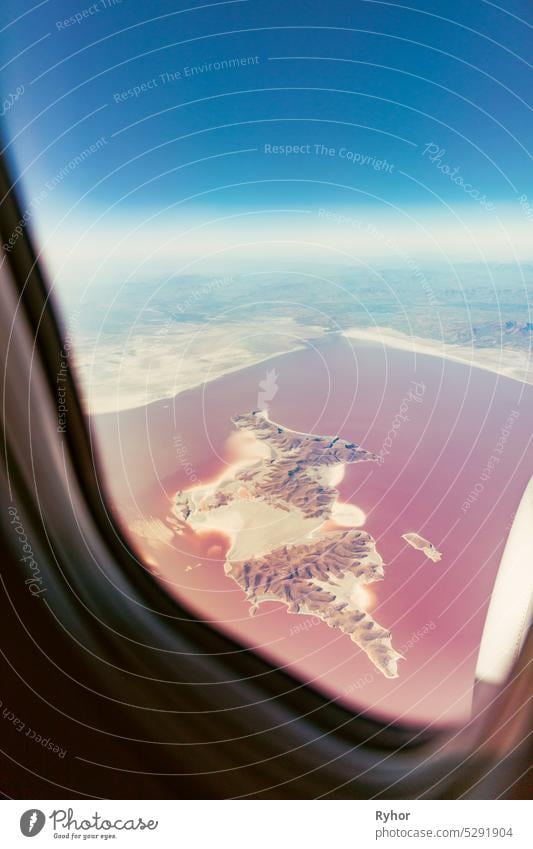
x: 421, y: 544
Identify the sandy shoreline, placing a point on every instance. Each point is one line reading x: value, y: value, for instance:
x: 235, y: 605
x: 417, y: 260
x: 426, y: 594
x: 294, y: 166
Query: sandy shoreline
x: 147, y: 368
x: 512, y: 364
x: 109, y: 390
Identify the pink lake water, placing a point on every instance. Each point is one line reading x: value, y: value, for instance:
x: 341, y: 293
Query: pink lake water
x: 436, y: 454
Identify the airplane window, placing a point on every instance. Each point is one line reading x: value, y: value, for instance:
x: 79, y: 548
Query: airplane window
x: 290, y: 248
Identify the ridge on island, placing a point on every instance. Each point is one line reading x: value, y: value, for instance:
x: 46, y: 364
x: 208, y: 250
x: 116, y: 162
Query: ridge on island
x: 274, y: 509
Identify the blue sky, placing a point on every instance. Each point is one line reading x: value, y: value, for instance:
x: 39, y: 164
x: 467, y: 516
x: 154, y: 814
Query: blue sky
x: 386, y: 110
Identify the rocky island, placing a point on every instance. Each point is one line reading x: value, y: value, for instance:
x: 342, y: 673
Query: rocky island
x: 278, y: 510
